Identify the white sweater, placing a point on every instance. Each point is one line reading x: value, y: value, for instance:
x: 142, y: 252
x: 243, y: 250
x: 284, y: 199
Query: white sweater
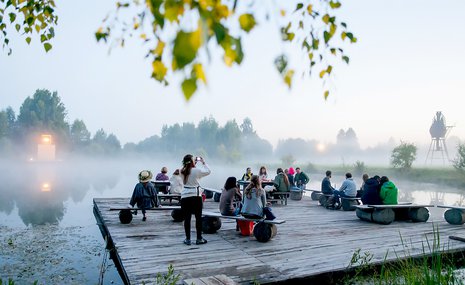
x: 190, y: 187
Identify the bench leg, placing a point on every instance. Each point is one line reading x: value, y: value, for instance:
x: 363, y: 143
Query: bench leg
x: 322, y: 200
x: 418, y: 215
x: 125, y: 216
x: 210, y: 224
x: 177, y: 215
x: 454, y: 216
x: 263, y: 232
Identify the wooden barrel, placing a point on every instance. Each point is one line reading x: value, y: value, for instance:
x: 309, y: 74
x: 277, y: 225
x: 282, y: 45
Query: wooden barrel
x: 217, y: 197
x: 418, y: 214
x: 322, y: 200
x: 348, y: 205
x: 177, y: 215
x: 210, y: 224
x: 455, y: 216
x: 264, y: 232
x: 383, y: 216
x: 274, y: 230
x: 208, y: 194
x: 380, y: 216
x: 296, y: 194
x: 315, y: 195
x: 125, y: 216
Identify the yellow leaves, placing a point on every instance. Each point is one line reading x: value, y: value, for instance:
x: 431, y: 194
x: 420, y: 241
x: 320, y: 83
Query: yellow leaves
x: 159, y: 70
x: 282, y: 12
x: 185, y: 48
x: 229, y: 57
x: 159, y: 49
x: 173, y: 9
x: 221, y: 12
x: 310, y: 9
x: 326, y: 94
x: 247, y: 22
x: 288, y: 77
x: 136, y: 25
x: 199, y: 73
x: 189, y: 86
x: 325, y: 19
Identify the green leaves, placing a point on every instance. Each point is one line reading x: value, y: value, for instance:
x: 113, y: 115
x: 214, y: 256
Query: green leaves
x: 185, y: 48
x: 189, y: 86
x: 287, y: 74
x: 47, y: 47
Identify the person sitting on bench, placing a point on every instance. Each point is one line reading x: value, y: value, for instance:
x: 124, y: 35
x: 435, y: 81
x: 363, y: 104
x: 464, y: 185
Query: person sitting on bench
x: 388, y: 192
x: 326, y: 187
x: 348, y: 189
x: 144, y: 194
x: 230, y: 198
x: 254, y: 199
x: 371, y: 190
x: 176, y: 184
x: 247, y: 175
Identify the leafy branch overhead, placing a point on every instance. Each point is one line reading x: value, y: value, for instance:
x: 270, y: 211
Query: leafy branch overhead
x: 27, y: 17
x: 179, y: 34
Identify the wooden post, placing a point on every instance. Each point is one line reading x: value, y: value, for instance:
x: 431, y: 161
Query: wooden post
x: 263, y: 232
x: 323, y: 199
x: 177, y: 215
x: 455, y: 216
x: 217, y: 197
x: 210, y: 224
x: 315, y: 195
x: 125, y: 216
x: 418, y: 214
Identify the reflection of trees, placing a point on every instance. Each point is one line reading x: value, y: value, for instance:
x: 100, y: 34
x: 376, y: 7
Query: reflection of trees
x: 405, y: 196
x: 37, y: 204
x: 460, y: 200
x: 437, y: 198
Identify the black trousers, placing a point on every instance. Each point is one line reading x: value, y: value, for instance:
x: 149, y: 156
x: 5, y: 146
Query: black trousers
x: 189, y: 206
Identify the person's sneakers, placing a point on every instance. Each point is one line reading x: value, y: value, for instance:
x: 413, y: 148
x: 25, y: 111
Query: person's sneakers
x: 144, y: 219
x: 201, y: 241
x: 187, y: 242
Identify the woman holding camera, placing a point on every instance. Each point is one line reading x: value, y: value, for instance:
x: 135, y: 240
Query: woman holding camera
x: 191, y: 195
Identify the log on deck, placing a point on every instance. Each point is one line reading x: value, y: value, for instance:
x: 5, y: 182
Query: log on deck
x: 311, y: 242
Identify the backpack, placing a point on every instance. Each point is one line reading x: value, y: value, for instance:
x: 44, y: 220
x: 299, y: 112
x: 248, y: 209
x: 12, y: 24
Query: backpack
x: 332, y: 203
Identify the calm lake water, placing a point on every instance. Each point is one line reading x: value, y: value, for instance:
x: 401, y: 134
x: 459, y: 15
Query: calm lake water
x: 48, y: 231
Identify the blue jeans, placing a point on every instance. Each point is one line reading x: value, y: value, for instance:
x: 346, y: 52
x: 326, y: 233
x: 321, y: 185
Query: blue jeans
x: 337, y: 194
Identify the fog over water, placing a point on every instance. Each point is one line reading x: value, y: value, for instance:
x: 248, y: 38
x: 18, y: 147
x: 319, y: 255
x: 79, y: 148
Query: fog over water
x: 50, y: 205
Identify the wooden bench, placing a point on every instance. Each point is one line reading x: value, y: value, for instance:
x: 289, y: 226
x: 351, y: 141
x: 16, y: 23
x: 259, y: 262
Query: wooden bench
x: 349, y: 203
x: 161, y: 184
x: 212, y: 193
x: 170, y: 198
x: 126, y: 214
x: 282, y: 197
x: 315, y: 196
x: 263, y: 231
x: 455, y: 215
x: 386, y: 214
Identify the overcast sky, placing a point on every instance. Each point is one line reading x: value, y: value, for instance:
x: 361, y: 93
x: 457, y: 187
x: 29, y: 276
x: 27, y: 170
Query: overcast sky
x: 408, y: 63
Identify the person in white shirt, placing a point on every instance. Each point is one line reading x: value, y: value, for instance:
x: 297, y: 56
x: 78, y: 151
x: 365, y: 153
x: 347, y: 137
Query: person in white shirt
x: 176, y: 184
x: 348, y: 189
x: 191, y: 195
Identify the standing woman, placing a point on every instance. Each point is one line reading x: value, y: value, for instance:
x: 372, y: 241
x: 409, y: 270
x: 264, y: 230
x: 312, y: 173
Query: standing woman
x: 191, y: 195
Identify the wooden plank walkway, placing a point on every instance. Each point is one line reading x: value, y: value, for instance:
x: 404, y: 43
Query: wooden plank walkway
x: 313, y: 240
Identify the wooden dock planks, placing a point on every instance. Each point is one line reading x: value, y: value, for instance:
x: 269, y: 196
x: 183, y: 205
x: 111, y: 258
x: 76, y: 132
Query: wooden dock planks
x: 313, y: 240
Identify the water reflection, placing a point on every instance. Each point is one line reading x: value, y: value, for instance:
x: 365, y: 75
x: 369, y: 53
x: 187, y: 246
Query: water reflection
x: 39, y: 190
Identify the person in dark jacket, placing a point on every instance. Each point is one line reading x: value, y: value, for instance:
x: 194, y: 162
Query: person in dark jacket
x: 326, y: 187
x: 144, y: 194
x: 230, y: 198
x: 371, y: 191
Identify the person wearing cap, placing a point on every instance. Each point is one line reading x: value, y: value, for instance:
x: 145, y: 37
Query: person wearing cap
x: 144, y: 194
x: 290, y: 175
x: 191, y: 195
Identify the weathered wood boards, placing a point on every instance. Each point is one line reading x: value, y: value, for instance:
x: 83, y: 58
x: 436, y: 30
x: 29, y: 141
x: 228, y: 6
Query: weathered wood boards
x: 386, y: 214
x: 210, y: 280
x: 455, y: 215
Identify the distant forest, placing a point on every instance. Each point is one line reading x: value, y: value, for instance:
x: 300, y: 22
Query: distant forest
x: 233, y: 142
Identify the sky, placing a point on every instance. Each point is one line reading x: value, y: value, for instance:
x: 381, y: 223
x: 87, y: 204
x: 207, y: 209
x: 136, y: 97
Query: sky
x: 408, y: 63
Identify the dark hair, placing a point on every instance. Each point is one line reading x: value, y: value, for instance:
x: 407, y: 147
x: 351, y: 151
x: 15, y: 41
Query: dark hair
x: 279, y: 170
x: 376, y: 177
x: 187, y: 164
x: 365, y: 177
x: 230, y: 183
x: 383, y: 179
x: 260, y: 172
x: 328, y: 172
x: 348, y: 175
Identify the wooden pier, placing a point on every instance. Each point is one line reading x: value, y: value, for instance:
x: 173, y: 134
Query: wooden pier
x: 314, y: 240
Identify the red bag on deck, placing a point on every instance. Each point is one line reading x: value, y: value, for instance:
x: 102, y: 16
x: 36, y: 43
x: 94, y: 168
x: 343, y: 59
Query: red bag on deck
x: 246, y: 227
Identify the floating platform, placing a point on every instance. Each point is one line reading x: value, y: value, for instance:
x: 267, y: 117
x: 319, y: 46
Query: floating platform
x: 313, y: 241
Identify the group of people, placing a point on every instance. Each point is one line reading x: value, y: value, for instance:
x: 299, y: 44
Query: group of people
x: 373, y: 191
x: 284, y: 181
x: 188, y: 179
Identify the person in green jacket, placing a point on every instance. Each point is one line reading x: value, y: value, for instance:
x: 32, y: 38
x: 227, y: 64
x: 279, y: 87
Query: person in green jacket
x: 301, y: 179
x: 281, y: 182
x: 388, y: 193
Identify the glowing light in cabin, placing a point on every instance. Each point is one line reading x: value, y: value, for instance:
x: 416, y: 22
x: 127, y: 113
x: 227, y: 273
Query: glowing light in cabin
x: 46, y: 139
